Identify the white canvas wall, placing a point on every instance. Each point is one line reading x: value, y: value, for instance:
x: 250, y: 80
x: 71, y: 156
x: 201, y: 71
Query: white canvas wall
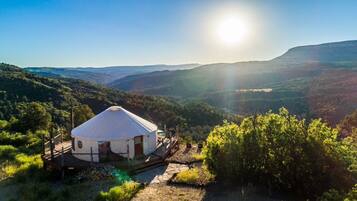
x: 116, y: 146
x: 120, y: 146
x: 86, y: 145
x: 149, y: 143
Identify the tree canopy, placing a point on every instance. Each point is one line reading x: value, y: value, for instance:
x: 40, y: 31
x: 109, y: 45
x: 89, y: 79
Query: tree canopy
x: 282, y: 152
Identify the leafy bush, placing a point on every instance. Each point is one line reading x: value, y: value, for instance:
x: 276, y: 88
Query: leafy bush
x: 331, y: 195
x: 23, y: 164
x: 198, y: 157
x: 334, y: 195
x: 195, y: 176
x: 7, y: 151
x: 15, y: 139
x: 123, y: 192
x: 282, y: 152
x: 352, y: 195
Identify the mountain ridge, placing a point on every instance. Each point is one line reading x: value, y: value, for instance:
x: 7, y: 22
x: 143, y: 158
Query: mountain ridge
x: 296, y: 73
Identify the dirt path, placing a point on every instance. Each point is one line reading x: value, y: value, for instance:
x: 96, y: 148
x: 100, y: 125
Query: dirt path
x: 163, y: 192
x: 158, y: 189
x: 160, y: 174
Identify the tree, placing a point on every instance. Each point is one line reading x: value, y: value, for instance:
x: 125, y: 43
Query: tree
x: 81, y: 114
x: 33, y: 117
x: 282, y: 152
x: 347, y: 124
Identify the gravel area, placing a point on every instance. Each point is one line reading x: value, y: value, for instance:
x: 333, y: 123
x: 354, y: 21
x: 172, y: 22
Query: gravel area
x: 160, y: 174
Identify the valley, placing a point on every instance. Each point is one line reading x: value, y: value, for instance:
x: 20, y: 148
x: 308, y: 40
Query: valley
x: 311, y: 81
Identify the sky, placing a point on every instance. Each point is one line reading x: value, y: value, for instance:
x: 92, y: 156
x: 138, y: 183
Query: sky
x: 132, y: 32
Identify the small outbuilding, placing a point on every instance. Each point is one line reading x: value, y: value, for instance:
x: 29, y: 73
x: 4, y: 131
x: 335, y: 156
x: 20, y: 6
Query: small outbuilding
x: 114, y: 131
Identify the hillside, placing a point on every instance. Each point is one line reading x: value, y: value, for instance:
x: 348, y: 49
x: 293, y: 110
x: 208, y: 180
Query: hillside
x: 297, y: 80
x: 102, y: 75
x: 17, y: 86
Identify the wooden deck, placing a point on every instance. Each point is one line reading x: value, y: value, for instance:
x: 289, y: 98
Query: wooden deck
x: 63, y: 158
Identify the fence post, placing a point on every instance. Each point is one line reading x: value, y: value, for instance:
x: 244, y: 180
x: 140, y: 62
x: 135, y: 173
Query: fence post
x: 43, y: 145
x: 62, y: 163
x: 91, y: 155
x: 51, y: 144
x: 177, y: 132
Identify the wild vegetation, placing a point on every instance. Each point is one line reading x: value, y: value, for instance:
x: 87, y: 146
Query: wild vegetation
x: 198, y: 176
x: 123, y: 192
x: 283, y: 152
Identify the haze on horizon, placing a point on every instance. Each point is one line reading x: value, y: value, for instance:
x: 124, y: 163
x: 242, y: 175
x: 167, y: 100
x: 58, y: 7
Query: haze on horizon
x: 107, y: 33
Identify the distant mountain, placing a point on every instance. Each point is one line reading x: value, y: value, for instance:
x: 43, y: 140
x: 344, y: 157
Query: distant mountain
x: 103, y: 75
x: 17, y: 87
x: 316, y: 80
x: 338, y: 53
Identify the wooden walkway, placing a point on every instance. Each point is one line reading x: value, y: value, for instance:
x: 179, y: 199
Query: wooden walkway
x: 63, y: 158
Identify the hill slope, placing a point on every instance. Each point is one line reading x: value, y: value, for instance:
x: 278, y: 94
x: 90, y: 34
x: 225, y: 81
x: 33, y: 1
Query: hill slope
x: 103, y: 75
x: 297, y: 80
x: 17, y: 86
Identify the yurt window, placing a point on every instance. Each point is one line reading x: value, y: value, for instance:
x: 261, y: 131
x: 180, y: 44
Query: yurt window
x: 79, y: 143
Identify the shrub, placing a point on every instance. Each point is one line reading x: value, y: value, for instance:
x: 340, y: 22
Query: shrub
x: 122, y: 192
x: 282, y: 152
x: 352, y: 195
x: 334, y: 195
x: 24, y: 164
x: 198, y: 157
x: 331, y: 195
x: 7, y: 151
x: 195, y: 176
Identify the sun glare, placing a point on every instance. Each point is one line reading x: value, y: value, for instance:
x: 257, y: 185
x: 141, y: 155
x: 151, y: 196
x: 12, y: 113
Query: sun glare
x: 231, y: 30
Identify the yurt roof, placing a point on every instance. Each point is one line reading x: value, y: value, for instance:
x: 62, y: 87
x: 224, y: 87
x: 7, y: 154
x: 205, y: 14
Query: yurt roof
x: 114, y: 123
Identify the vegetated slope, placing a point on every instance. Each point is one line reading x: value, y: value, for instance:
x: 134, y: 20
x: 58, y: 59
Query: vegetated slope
x: 103, y: 75
x: 338, y: 53
x: 17, y: 86
x: 293, y: 77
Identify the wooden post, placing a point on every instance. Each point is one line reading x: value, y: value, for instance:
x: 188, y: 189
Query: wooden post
x: 43, y: 145
x: 127, y: 151
x: 61, y: 136
x: 91, y: 155
x: 72, y: 116
x: 51, y: 144
x: 62, y: 163
x: 177, y: 132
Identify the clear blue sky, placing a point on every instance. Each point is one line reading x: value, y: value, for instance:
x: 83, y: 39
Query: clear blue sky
x: 133, y: 32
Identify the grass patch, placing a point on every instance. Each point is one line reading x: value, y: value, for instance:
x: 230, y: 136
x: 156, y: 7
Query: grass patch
x: 195, y: 176
x: 122, y: 192
x: 199, y: 157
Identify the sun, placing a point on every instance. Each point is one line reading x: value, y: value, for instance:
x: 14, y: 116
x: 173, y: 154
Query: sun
x: 231, y: 30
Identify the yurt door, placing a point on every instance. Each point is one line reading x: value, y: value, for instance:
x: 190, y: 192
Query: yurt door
x: 138, y: 142
x: 104, y: 150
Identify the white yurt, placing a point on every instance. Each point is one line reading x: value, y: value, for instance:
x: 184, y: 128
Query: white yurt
x: 115, y: 130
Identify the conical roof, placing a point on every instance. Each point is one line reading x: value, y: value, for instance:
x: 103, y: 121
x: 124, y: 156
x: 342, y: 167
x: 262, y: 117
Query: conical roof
x: 114, y: 123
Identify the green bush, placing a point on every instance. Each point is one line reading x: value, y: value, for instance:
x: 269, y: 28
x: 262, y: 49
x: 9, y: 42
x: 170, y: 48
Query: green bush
x: 24, y: 164
x: 7, y: 151
x: 352, y: 195
x: 331, y: 195
x: 123, y: 192
x: 334, y: 195
x: 195, y: 176
x: 282, y: 152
